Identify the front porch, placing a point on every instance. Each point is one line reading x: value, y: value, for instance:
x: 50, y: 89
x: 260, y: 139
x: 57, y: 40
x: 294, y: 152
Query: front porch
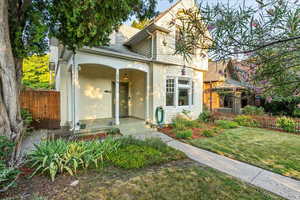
x: 127, y: 126
x: 105, y: 95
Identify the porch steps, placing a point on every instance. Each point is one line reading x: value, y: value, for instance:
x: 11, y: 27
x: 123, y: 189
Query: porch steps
x: 131, y: 128
x: 88, y: 131
x: 135, y: 128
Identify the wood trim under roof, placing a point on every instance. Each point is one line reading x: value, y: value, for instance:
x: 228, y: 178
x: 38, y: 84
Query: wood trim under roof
x: 141, y: 35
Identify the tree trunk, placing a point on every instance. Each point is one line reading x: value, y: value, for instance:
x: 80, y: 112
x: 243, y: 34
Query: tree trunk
x: 10, y: 117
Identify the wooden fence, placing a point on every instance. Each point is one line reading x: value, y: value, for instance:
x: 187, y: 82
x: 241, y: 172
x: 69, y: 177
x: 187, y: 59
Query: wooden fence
x: 263, y: 121
x: 44, y: 107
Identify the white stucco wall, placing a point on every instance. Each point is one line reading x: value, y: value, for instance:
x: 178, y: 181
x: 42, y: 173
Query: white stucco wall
x: 62, y: 80
x: 94, y: 102
x: 137, y: 94
x: 158, y: 90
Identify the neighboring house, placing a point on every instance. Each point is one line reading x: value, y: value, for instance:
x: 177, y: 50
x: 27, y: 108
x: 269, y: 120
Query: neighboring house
x: 224, y: 87
x: 133, y: 76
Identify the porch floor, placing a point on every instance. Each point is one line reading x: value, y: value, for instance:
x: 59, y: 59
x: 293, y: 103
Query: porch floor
x: 128, y: 126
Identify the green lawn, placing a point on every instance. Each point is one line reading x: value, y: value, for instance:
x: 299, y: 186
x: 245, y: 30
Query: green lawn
x: 178, y: 180
x: 276, y: 151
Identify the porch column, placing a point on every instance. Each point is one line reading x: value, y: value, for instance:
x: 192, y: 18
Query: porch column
x: 237, y: 103
x: 147, y: 96
x: 76, y: 87
x: 117, y: 103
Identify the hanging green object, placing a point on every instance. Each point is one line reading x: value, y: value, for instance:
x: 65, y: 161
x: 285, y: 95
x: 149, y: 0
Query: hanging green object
x: 159, y: 115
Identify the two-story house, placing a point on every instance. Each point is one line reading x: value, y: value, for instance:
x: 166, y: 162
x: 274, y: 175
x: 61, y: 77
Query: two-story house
x: 132, y: 77
x: 226, y: 88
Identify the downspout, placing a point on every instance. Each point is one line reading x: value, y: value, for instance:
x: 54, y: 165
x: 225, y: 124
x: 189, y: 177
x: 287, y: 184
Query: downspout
x: 73, y: 92
x: 152, y: 45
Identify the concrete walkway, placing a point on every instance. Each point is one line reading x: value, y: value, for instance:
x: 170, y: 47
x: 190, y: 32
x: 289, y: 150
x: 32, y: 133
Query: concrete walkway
x: 275, y: 183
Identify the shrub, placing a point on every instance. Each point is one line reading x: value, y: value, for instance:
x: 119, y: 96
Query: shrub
x: 286, y: 124
x: 296, y: 112
x: 253, y: 110
x: 7, y: 174
x: 246, y: 120
x: 192, y: 124
x: 135, y: 156
x: 206, y: 116
x: 6, y: 147
x: 208, y: 133
x: 184, y: 134
x: 180, y: 123
x: 113, y: 131
x: 58, y: 156
x: 27, y: 118
x: 226, y: 124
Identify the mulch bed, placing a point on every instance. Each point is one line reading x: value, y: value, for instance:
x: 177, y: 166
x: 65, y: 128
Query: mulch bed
x: 197, y: 132
x: 97, y: 136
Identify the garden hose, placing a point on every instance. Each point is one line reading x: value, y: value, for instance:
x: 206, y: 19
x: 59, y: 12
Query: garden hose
x: 159, y: 115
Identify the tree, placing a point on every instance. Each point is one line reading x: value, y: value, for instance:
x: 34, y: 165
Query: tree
x: 26, y: 26
x: 266, y: 36
x: 36, y: 72
x: 140, y: 24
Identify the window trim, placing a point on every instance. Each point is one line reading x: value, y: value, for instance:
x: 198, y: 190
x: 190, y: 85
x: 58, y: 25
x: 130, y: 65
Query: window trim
x: 189, y: 86
x: 174, y: 97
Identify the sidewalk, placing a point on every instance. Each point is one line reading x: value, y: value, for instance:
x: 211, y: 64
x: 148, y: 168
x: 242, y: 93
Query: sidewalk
x: 275, y: 183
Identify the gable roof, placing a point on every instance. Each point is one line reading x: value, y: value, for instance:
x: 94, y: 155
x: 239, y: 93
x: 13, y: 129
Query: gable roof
x: 144, y: 33
x: 153, y: 26
x: 160, y: 15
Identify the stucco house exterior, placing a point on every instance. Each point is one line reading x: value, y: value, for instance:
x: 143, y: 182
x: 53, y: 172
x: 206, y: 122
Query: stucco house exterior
x: 133, y: 76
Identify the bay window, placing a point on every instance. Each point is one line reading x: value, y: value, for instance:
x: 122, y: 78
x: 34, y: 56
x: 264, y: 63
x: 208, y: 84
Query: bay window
x: 179, y: 92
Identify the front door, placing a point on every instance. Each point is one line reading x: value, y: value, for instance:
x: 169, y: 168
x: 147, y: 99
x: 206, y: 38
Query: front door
x: 123, y: 99
x: 124, y: 92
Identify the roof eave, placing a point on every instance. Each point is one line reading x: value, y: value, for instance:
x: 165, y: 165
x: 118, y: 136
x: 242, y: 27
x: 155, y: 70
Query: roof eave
x: 141, y: 35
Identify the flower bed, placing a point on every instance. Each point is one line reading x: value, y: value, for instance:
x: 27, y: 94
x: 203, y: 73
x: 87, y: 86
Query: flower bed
x: 197, y: 132
x: 96, y: 136
x: 262, y: 121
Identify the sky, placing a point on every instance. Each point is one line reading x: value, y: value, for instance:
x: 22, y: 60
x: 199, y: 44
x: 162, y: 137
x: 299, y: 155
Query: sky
x: 165, y: 4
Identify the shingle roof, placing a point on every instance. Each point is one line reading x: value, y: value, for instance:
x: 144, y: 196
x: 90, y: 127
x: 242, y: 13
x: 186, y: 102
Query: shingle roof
x: 122, y: 50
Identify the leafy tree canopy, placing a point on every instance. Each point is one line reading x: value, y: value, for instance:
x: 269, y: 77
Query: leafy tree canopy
x: 140, y: 24
x: 267, y: 36
x: 75, y: 23
x: 36, y: 73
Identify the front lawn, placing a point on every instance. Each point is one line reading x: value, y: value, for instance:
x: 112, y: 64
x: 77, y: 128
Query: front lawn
x: 175, y: 180
x: 273, y: 150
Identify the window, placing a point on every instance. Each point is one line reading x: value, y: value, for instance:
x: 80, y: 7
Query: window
x: 183, y: 97
x: 170, y: 93
x: 179, y: 92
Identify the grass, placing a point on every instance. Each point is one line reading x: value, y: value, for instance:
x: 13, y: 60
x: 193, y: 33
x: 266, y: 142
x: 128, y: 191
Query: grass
x: 178, y: 180
x: 272, y: 150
